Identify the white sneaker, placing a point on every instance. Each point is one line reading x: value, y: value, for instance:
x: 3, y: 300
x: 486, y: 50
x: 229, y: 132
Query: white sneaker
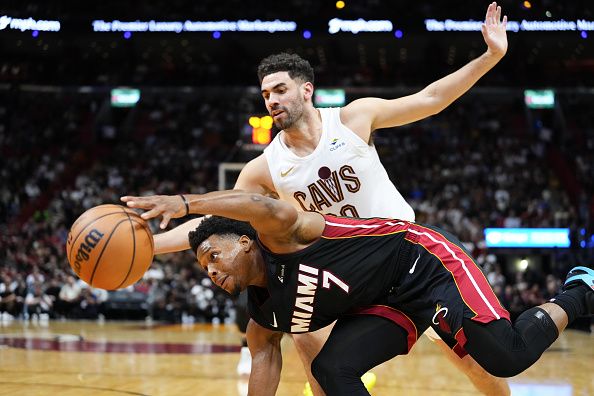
x: 244, y: 367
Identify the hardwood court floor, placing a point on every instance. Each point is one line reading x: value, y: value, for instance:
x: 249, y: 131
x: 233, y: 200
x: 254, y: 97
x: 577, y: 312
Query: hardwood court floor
x: 115, y: 358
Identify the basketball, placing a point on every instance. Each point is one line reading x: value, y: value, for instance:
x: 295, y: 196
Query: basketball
x: 110, y: 247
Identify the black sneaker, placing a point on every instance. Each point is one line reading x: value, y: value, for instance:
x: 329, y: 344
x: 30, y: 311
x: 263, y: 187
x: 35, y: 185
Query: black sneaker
x: 582, y: 276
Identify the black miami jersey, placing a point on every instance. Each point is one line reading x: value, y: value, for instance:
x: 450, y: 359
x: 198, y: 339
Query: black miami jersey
x: 352, y: 264
x: 414, y: 275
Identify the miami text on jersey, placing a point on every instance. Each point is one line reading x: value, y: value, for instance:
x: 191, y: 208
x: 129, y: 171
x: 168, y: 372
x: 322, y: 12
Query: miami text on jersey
x: 304, y: 301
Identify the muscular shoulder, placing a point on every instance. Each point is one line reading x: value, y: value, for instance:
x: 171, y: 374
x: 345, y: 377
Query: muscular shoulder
x: 255, y: 177
x: 358, y: 117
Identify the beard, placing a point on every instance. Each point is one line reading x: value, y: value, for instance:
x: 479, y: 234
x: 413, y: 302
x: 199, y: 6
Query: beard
x: 285, y: 123
x: 290, y: 116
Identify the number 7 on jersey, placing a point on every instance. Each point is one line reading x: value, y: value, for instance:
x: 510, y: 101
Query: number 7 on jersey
x: 328, y: 277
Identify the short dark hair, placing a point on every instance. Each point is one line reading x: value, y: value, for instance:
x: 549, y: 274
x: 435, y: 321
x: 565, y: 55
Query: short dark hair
x: 217, y: 225
x: 296, y: 66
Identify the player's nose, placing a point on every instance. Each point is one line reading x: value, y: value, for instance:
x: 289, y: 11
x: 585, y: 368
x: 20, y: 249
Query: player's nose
x: 212, y: 271
x: 273, y: 101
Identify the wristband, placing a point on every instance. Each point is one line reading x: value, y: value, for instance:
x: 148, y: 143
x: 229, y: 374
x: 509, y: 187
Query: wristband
x: 185, y: 203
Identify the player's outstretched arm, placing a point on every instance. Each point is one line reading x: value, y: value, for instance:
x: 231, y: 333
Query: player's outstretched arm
x: 368, y: 114
x: 277, y: 223
x: 266, y: 215
x: 176, y: 239
x: 267, y: 360
x: 254, y: 177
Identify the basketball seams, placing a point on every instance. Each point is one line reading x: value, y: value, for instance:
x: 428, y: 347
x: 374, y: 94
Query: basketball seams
x: 110, y: 227
x: 133, y: 250
x: 148, y: 232
x: 83, y: 230
x: 103, y: 250
x: 147, y: 229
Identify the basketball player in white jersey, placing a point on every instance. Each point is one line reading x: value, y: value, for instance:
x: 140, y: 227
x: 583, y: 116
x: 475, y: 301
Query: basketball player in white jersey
x: 324, y: 160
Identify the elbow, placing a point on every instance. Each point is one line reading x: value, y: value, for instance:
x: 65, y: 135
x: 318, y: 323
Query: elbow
x: 286, y: 216
x: 433, y: 102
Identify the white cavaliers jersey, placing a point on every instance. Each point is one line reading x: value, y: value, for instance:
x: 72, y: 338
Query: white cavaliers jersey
x: 342, y: 176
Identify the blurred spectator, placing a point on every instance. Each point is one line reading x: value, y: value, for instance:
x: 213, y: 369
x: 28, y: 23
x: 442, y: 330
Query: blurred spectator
x: 38, y: 303
x: 69, y: 297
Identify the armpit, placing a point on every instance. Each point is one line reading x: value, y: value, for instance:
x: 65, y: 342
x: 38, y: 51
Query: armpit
x: 271, y: 194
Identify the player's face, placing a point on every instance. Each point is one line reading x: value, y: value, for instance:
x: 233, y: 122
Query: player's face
x: 284, y: 99
x: 225, y: 261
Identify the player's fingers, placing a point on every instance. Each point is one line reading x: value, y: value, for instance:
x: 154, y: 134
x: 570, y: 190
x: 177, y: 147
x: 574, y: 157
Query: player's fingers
x: 130, y: 200
x: 498, y: 15
x: 504, y: 22
x: 165, y: 221
x: 494, y: 13
x: 127, y: 198
x: 151, y: 213
x: 141, y: 203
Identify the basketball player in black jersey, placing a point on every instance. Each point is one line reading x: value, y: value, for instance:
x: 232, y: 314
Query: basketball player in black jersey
x: 385, y: 281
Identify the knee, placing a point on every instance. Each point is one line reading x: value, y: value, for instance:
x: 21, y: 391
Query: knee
x: 322, y: 369
x: 505, y: 365
x: 505, y: 372
x: 333, y: 373
x: 325, y: 370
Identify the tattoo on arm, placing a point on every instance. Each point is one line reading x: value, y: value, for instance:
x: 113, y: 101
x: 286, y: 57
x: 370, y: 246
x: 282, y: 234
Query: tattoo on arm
x: 268, y: 203
x: 271, y: 194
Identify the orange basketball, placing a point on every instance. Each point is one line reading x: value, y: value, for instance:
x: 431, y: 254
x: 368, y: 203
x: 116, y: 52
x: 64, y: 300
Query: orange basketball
x: 110, y: 247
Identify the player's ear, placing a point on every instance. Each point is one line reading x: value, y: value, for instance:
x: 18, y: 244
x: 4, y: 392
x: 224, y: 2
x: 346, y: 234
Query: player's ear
x: 246, y: 243
x: 308, y: 90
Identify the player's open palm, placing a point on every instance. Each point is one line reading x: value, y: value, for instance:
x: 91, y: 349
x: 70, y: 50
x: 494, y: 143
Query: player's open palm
x: 167, y: 206
x: 494, y: 30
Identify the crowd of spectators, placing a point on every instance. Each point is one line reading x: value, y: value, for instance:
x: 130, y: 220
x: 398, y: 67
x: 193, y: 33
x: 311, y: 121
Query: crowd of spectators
x: 478, y: 164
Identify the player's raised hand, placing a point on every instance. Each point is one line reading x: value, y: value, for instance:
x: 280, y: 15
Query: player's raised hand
x: 167, y: 206
x: 494, y: 30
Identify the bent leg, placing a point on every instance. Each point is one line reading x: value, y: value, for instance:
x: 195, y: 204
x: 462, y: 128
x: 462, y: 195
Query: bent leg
x: 484, y: 382
x: 505, y: 350
x: 356, y: 344
x: 308, y: 345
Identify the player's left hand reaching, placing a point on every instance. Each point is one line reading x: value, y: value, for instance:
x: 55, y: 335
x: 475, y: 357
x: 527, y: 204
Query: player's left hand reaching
x: 494, y: 30
x: 167, y: 206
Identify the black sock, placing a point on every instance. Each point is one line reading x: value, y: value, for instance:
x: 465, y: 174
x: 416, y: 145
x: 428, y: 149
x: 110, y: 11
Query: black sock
x: 573, y: 301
